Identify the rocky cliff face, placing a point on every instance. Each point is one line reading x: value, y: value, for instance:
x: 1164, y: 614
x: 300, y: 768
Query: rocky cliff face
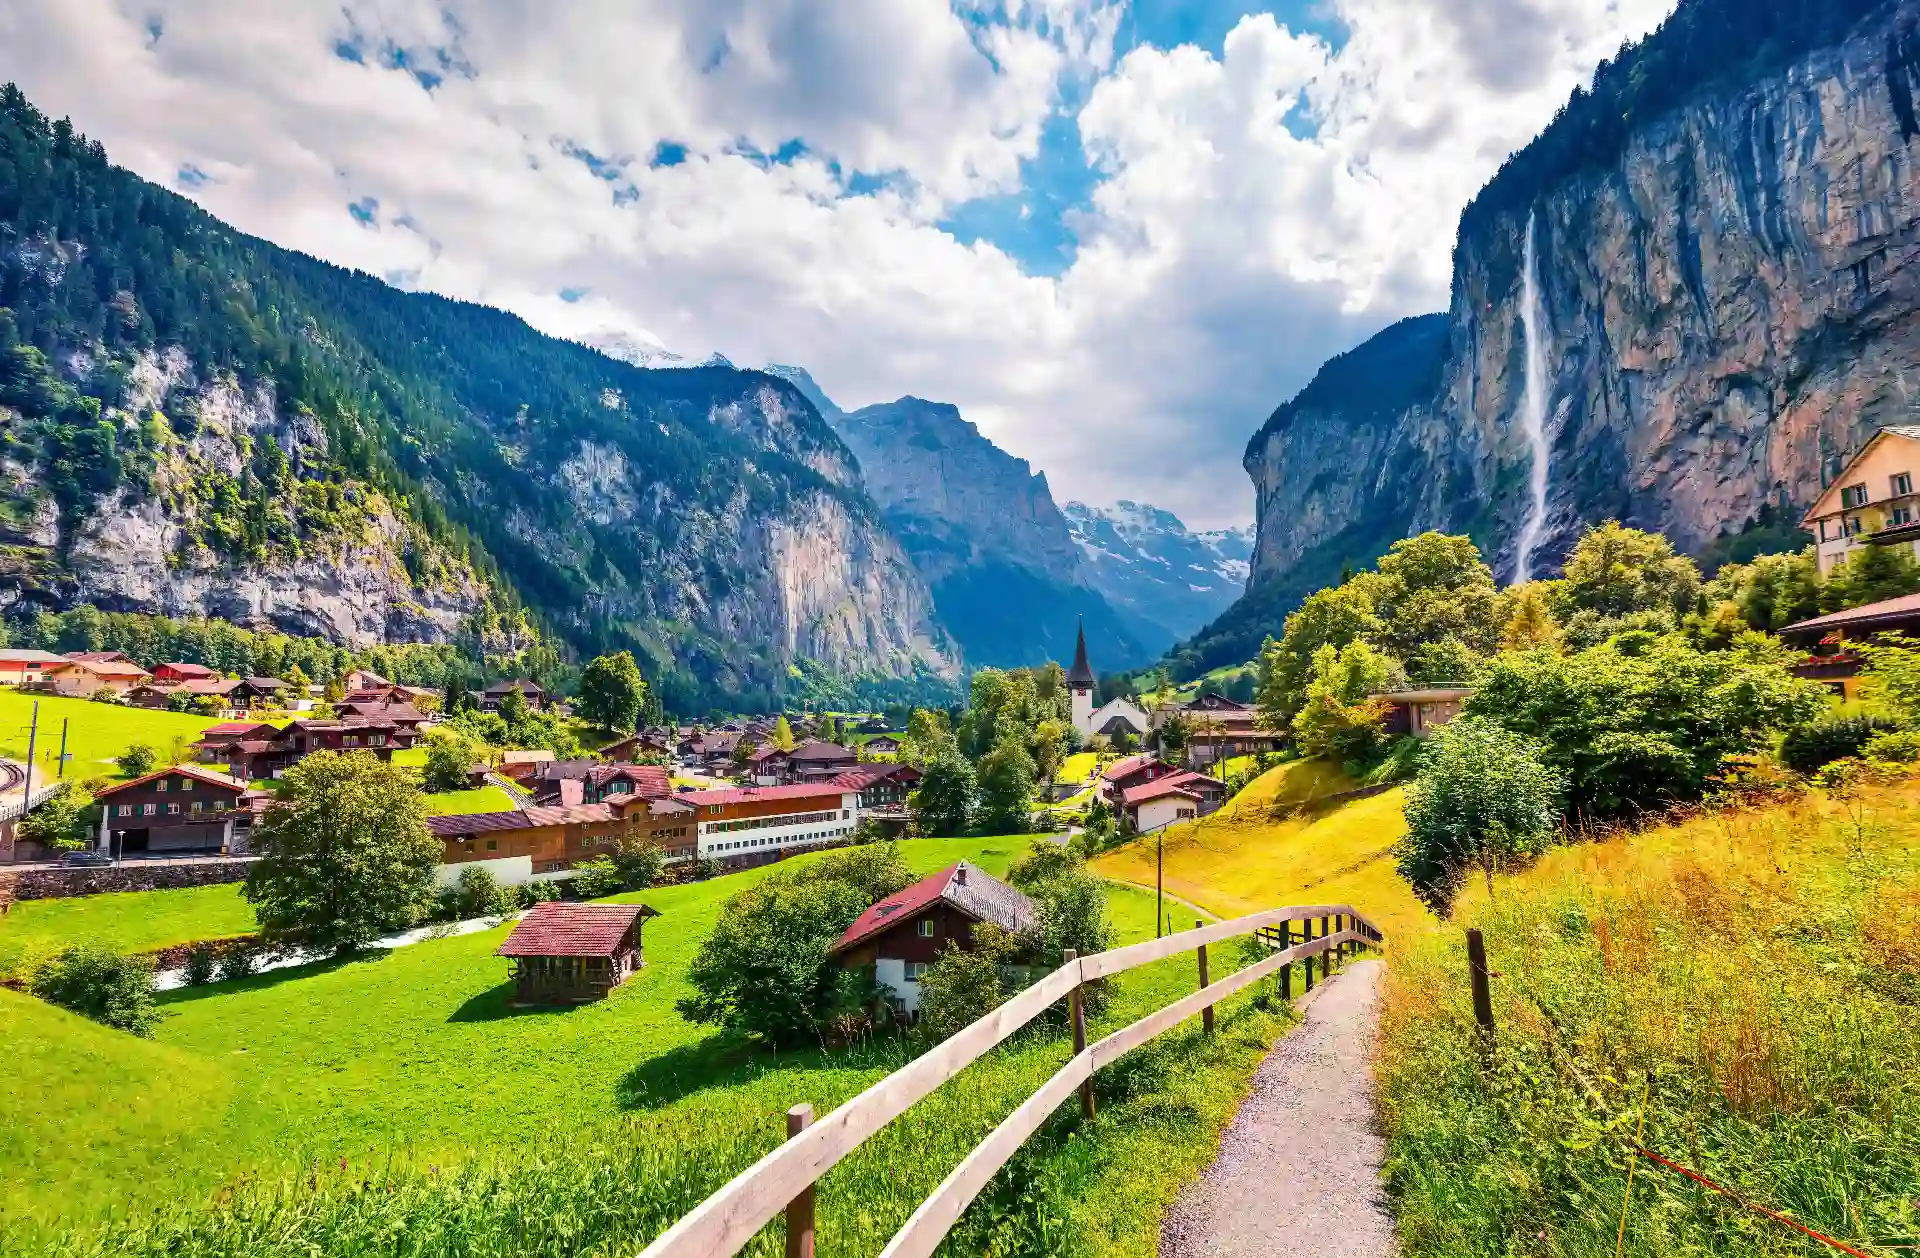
x: 341, y: 561
x: 1730, y: 310
x: 982, y: 528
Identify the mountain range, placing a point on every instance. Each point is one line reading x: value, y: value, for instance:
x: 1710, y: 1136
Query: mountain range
x: 197, y: 421
x: 1724, y: 229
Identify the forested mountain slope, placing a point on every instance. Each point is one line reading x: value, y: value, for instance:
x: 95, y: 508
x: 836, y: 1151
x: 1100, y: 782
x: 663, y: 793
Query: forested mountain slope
x: 195, y: 418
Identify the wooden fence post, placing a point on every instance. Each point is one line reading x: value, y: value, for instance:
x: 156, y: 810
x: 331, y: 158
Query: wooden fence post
x: 1306, y: 937
x: 1078, y: 1010
x: 1482, y: 993
x: 1339, y: 950
x: 1206, y: 1014
x: 800, y: 1209
x: 1286, y: 971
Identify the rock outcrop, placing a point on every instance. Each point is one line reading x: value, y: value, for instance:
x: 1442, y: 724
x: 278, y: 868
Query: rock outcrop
x: 1732, y: 308
x: 1152, y: 568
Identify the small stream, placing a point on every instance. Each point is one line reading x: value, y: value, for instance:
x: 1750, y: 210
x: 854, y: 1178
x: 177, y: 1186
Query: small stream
x: 168, y: 980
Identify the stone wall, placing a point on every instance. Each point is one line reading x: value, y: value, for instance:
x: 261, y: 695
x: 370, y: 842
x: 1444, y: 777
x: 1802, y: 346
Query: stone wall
x: 53, y: 884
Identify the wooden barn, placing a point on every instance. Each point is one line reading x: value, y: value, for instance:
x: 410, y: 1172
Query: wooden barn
x: 568, y: 954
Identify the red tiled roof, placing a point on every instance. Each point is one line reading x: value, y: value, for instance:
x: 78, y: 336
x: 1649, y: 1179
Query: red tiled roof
x: 193, y: 771
x: 979, y: 895
x: 1906, y: 607
x: 209, y: 686
x: 814, y: 749
x: 233, y: 729
x: 747, y: 794
x: 461, y: 824
x: 189, y: 670
x: 867, y: 774
x: 1155, y: 790
x: 1132, y: 764
x: 558, y: 929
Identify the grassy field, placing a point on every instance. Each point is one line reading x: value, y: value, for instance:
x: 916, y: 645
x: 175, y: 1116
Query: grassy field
x: 1079, y: 766
x: 97, y: 733
x: 1750, y: 980
x: 1270, y: 846
x: 603, y: 1122
x: 129, y: 921
x: 480, y: 799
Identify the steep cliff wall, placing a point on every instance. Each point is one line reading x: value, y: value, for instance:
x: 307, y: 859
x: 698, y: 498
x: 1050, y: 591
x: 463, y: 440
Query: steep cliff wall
x: 1730, y: 309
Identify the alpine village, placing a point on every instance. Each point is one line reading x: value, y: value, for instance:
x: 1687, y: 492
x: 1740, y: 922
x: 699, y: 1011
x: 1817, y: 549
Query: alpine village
x: 472, y: 791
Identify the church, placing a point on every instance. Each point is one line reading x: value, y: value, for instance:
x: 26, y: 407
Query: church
x: 1113, y: 718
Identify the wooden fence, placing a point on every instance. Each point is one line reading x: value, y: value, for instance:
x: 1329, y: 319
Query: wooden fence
x: 784, y: 1179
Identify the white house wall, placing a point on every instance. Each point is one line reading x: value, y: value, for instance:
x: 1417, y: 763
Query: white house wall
x: 891, y: 975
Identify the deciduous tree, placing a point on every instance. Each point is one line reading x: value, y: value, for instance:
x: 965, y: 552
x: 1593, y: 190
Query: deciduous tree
x: 612, y: 692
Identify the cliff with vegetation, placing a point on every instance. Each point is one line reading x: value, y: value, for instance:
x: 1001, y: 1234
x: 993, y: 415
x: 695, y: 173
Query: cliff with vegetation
x: 1724, y: 226
x: 196, y: 419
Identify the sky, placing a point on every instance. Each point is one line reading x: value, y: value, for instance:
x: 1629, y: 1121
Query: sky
x: 1115, y: 234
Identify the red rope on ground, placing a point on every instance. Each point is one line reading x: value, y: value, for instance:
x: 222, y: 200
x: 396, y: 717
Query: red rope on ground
x: 1842, y: 1246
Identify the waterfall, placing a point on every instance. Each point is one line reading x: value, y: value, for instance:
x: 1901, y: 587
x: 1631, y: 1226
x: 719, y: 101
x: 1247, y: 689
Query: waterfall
x: 1533, y: 410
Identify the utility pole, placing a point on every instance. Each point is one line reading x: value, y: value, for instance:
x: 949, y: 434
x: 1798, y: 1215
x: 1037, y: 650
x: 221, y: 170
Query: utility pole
x: 33, y: 730
x: 63, y: 748
x: 1159, y: 882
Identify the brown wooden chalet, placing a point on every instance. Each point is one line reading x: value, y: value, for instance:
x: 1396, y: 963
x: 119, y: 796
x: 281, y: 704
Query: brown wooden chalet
x: 903, y: 934
x: 177, y: 810
x: 1134, y: 771
x: 175, y: 673
x: 634, y: 746
x: 263, y: 754
x: 566, y: 954
x: 491, y: 696
x: 599, y: 781
x: 543, y: 841
x: 815, y: 761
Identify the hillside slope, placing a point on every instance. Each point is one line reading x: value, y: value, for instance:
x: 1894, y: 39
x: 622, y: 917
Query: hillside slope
x: 198, y: 418
x: 1156, y: 571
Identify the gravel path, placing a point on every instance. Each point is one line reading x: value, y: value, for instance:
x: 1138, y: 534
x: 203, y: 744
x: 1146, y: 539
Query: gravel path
x: 1299, y: 1166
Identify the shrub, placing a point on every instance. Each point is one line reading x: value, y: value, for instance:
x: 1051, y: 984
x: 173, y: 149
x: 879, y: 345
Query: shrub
x: 1895, y: 746
x: 202, y: 959
x: 963, y: 985
x: 60, y: 822
x: 239, y: 961
x: 532, y: 893
x: 1070, y: 911
x: 639, y: 861
x: 106, y: 694
x: 138, y: 759
x: 767, y: 969
x: 448, y: 760
x: 1484, y: 796
x: 479, y: 895
x: 596, y: 878
x: 1806, y: 749
x: 97, y: 982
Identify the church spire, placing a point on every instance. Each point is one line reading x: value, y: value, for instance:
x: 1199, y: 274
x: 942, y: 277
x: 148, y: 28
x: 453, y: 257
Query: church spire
x: 1080, y: 677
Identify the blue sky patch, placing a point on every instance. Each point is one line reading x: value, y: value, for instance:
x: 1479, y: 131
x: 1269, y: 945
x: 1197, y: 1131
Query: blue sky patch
x: 191, y: 176
x: 365, y: 211
x: 1205, y: 23
x: 349, y: 50
x: 155, y: 29
x: 607, y: 168
x: 572, y: 295
x: 667, y: 153
x: 1030, y: 226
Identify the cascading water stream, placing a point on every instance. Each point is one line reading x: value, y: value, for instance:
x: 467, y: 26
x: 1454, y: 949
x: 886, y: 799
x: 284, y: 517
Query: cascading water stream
x: 1533, y: 410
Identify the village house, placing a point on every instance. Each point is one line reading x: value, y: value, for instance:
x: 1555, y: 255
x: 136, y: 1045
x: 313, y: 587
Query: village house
x: 545, y: 843
x: 881, y: 745
x: 753, y: 825
x: 768, y: 767
x: 1871, y: 502
x: 89, y: 672
x: 157, y: 695
x: 1219, y: 728
x: 816, y: 761
x: 1163, y: 801
x: 1420, y: 711
x: 563, y: 954
x: 174, y: 673
x: 180, y: 810
x: 521, y: 766
x: 596, y: 780
x: 883, y: 791
x: 29, y: 668
x: 1829, y: 659
x: 404, y: 715
x: 634, y: 746
x: 262, y: 692
x: 263, y: 755
x: 1125, y: 774
x: 490, y: 697
x: 902, y: 935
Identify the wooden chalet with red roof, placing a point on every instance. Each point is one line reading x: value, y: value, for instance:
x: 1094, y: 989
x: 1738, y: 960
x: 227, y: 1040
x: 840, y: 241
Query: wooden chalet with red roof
x: 1174, y: 797
x: 181, y: 809
x: 543, y: 844
x: 903, y: 934
x: 174, y: 673
x: 568, y: 954
x: 598, y: 781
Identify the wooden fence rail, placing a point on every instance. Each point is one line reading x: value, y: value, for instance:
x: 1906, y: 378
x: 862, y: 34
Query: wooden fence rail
x: 726, y: 1221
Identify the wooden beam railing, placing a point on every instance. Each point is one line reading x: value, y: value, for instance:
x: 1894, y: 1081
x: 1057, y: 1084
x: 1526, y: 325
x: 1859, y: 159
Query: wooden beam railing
x: 722, y: 1224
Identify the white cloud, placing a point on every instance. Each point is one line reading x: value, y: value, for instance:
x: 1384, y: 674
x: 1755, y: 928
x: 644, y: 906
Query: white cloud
x: 1223, y: 255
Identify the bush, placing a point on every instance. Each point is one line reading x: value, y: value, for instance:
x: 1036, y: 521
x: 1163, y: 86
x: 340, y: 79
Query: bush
x: 480, y: 896
x: 964, y: 985
x: 1806, y: 749
x: 596, y: 878
x: 60, y: 822
x: 1484, y: 797
x: 106, y: 694
x: 541, y: 892
x: 96, y: 982
x: 138, y: 759
x: 448, y: 760
x: 1897, y: 746
x: 239, y: 961
x: 202, y: 959
x: 639, y: 861
x: 767, y: 969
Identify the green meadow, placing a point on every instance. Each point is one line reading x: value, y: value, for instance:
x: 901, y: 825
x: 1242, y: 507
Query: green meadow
x: 263, y: 1110
x: 96, y: 733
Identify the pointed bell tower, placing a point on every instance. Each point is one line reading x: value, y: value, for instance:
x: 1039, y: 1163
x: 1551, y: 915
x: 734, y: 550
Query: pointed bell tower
x: 1080, y: 684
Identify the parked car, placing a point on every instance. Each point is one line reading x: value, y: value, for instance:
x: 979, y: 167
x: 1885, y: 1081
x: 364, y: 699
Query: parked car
x: 89, y: 857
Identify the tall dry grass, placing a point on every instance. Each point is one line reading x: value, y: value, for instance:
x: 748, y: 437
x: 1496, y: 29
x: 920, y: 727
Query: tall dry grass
x: 1749, y: 978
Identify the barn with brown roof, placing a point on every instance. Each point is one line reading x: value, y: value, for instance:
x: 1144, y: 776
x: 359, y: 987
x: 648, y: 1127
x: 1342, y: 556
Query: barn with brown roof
x: 568, y: 954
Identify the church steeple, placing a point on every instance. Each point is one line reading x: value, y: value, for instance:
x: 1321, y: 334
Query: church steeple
x: 1080, y: 676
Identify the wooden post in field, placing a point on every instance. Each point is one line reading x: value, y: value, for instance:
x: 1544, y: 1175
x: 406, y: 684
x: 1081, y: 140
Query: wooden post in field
x: 1286, y: 971
x: 1206, y: 1014
x: 1482, y: 994
x: 800, y: 1209
x: 1078, y: 1009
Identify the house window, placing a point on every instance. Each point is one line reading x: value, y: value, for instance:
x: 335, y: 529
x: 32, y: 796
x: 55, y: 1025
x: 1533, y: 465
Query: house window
x: 1902, y: 484
x: 196, y: 806
x: 1853, y: 496
x: 926, y: 928
x: 173, y: 810
x: 1902, y: 515
x: 126, y: 810
x: 186, y: 784
x: 146, y: 810
x: 493, y: 845
x: 161, y: 785
x: 351, y: 740
x: 1853, y: 525
x: 915, y: 969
